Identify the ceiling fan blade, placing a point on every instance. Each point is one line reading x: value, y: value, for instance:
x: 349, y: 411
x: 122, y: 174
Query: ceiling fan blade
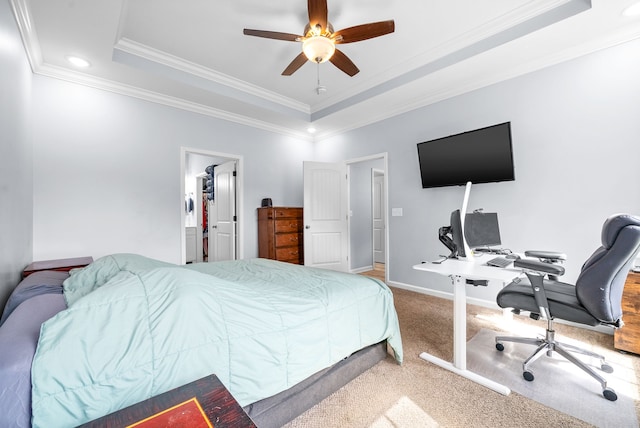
x: 272, y: 35
x: 295, y: 64
x: 317, y: 13
x: 364, y: 31
x: 341, y: 61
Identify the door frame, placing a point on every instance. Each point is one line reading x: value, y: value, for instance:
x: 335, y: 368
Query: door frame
x: 384, y: 157
x: 239, y: 196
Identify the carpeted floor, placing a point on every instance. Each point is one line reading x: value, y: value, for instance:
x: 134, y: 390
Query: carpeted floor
x: 420, y: 394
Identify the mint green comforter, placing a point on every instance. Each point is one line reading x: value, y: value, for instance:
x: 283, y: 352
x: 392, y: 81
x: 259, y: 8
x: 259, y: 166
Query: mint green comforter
x: 137, y: 327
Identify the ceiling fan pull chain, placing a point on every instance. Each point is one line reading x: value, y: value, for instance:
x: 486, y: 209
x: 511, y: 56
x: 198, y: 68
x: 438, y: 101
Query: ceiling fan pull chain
x: 319, y: 89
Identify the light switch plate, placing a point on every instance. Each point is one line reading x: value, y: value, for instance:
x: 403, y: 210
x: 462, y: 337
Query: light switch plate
x: 396, y: 212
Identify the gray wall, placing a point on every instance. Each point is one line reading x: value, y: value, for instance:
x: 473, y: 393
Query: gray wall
x: 360, y: 221
x: 16, y: 170
x: 576, y: 142
x: 107, y: 171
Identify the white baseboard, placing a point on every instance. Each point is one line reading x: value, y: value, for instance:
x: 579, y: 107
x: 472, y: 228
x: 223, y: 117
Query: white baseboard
x: 444, y: 294
x: 361, y: 269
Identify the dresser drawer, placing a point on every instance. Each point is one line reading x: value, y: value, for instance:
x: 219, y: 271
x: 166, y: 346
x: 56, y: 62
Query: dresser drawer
x: 288, y: 239
x: 287, y: 212
x: 288, y: 225
x: 288, y: 254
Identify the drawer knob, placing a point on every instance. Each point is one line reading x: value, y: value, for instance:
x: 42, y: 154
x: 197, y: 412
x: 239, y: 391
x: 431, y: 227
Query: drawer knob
x: 307, y: 227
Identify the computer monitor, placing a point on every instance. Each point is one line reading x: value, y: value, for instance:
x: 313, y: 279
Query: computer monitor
x: 482, y: 230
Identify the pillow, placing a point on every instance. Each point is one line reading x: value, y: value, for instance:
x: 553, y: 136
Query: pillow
x: 85, y: 280
x: 38, y: 283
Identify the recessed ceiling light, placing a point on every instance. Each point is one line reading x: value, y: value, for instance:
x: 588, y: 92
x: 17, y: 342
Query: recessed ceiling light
x: 311, y: 130
x: 633, y: 10
x: 78, y: 62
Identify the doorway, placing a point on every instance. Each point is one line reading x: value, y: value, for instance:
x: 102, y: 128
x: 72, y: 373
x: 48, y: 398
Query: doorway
x: 378, y: 216
x: 368, y: 235
x: 351, y: 210
x: 202, y: 172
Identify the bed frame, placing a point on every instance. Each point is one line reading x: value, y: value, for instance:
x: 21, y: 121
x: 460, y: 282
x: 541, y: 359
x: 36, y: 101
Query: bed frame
x: 275, y: 411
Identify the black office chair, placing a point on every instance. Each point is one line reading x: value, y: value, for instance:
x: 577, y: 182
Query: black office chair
x: 596, y: 298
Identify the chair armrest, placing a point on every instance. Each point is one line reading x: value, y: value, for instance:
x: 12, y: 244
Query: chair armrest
x: 546, y: 255
x: 537, y: 285
x: 539, y: 266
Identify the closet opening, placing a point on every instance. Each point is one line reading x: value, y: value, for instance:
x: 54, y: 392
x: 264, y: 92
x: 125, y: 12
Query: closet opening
x: 211, y: 184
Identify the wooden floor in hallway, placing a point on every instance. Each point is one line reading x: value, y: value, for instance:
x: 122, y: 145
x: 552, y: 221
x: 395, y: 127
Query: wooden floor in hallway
x: 377, y: 272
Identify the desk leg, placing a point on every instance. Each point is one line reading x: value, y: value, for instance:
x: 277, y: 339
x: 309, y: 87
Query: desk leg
x: 459, y: 365
x: 459, y: 323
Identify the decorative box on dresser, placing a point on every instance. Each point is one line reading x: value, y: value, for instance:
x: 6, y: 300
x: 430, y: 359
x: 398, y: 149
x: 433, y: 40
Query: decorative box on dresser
x: 627, y: 338
x: 280, y: 234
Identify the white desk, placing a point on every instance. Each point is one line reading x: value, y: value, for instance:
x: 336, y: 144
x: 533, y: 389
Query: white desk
x: 459, y: 271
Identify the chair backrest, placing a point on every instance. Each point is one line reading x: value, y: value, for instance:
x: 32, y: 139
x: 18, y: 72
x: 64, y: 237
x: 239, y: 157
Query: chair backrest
x: 601, y: 281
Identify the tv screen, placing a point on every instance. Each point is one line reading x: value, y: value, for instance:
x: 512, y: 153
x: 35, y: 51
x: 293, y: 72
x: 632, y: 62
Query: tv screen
x: 480, y: 156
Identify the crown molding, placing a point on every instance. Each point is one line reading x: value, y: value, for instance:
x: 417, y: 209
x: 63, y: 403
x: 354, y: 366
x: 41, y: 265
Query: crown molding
x: 27, y: 32
x: 154, y: 97
x: 34, y: 54
x: 623, y: 36
x: 157, y: 56
x: 485, y: 37
x: 418, y: 66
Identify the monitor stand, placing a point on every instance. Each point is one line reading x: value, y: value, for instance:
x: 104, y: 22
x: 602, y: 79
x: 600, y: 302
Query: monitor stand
x: 463, y: 213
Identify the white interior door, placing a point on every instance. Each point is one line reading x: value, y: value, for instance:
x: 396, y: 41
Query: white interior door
x: 378, y: 215
x: 222, y: 214
x: 325, y: 215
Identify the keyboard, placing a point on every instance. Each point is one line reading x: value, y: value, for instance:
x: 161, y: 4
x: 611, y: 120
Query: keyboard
x: 501, y: 262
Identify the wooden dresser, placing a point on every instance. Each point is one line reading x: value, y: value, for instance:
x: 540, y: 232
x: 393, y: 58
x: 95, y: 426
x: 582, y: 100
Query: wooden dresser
x: 280, y: 234
x: 627, y: 338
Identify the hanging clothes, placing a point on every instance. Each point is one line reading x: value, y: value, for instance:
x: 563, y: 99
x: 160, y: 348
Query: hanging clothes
x: 209, y: 184
x: 205, y: 214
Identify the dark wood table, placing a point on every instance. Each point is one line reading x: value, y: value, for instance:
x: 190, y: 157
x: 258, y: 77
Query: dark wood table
x: 61, y: 265
x: 202, y: 403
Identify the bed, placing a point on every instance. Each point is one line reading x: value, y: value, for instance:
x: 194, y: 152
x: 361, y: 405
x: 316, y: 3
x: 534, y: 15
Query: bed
x: 281, y: 337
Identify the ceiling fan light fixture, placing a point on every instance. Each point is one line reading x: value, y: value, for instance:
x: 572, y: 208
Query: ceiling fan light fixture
x: 318, y: 48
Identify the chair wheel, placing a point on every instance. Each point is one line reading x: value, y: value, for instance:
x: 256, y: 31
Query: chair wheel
x: 606, y: 368
x: 500, y: 347
x: 528, y: 376
x: 610, y: 394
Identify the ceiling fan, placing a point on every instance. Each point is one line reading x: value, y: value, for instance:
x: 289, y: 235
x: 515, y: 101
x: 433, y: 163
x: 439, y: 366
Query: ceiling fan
x: 319, y: 39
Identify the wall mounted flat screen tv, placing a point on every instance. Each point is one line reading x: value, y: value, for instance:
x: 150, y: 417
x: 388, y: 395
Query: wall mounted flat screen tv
x: 480, y: 156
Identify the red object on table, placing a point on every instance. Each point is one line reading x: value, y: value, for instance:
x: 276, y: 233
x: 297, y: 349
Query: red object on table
x: 216, y: 406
